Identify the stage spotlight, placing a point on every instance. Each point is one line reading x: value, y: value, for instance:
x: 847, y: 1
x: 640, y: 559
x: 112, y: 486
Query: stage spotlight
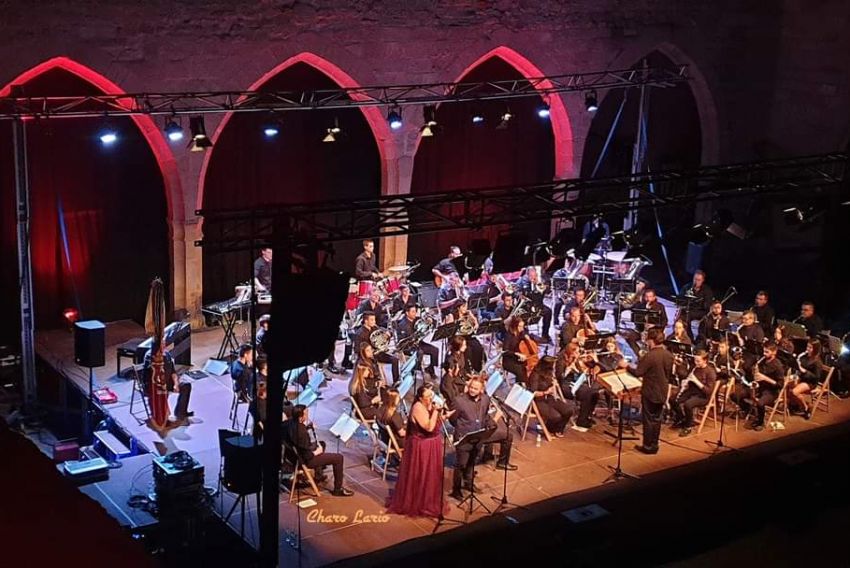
x: 505, y: 119
x: 590, y: 101
x: 332, y: 132
x: 108, y: 135
x: 429, y: 115
x: 71, y: 315
x: 477, y: 118
x: 394, y: 118
x: 200, y: 141
x: 173, y: 130
x: 543, y: 110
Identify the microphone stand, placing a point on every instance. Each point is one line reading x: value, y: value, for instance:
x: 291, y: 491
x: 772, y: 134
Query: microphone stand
x: 719, y: 444
x: 617, y: 472
x: 503, y: 501
x: 442, y: 518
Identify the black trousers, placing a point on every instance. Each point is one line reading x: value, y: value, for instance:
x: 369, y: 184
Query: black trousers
x: 651, y: 415
x: 743, y: 398
x: 546, y: 321
x: 556, y: 312
x: 433, y: 354
x: 511, y: 365
x: 185, y: 390
x: 392, y: 360
x: 465, y: 455
x: 686, y: 402
x: 556, y: 413
x: 475, y: 352
x: 586, y: 397
x: 334, y: 460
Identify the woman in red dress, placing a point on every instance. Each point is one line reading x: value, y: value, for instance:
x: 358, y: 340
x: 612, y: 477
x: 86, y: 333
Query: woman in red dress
x: 419, y: 490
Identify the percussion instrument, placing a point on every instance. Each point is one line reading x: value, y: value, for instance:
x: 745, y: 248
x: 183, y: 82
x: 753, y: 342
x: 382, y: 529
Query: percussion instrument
x: 364, y: 288
x: 389, y: 285
x: 352, y: 300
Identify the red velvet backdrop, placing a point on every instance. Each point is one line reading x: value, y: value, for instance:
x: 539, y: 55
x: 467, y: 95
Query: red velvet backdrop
x: 464, y: 156
x: 247, y: 169
x: 113, y: 205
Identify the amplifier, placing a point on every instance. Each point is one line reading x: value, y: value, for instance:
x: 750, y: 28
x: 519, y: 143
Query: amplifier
x: 176, y: 471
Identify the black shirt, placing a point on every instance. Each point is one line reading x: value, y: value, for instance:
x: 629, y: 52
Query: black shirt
x: 452, y: 387
x: 702, y: 304
x: 396, y: 424
x: 380, y: 315
x: 776, y: 371
x: 656, y: 370
x: 813, y: 325
x: 400, y: 304
x: 766, y: 317
x: 751, y: 333
x: 711, y: 322
x: 502, y: 311
x: 655, y: 307
x: 811, y: 369
x: 707, y: 376
x: 538, y: 382
x: 570, y: 331
x: 364, y: 266
x: 263, y: 273
x: 295, y: 434
x: 446, y: 267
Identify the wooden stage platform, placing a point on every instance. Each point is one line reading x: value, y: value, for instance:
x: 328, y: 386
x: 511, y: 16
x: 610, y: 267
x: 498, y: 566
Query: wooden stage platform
x: 334, y: 529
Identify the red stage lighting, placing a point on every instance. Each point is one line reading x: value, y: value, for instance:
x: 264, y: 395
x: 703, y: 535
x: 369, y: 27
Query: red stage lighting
x: 71, y: 315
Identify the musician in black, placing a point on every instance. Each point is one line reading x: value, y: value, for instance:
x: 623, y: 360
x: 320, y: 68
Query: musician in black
x: 505, y: 307
x: 406, y: 329
x: 468, y: 322
x: 443, y: 269
x: 390, y: 417
x: 810, y: 374
x: 454, y: 379
x: 175, y: 383
x: 556, y: 413
x: 809, y: 319
x: 768, y: 379
x: 313, y: 455
x: 373, y: 304
x: 513, y: 361
x: 263, y: 270
x: 655, y: 369
x: 451, y: 294
x: 595, y: 227
x: 570, y: 367
x: 472, y: 413
x: 701, y: 303
x: 650, y: 302
x: 262, y: 329
x: 365, y: 267
x: 764, y: 312
x: 530, y: 286
x: 242, y: 373
x: 494, y: 297
x: 576, y: 328
x: 364, y: 334
x: 366, y: 383
x: 713, y: 322
x: 403, y: 300
x: 751, y: 336
x: 695, y: 392
x: 560, y: 274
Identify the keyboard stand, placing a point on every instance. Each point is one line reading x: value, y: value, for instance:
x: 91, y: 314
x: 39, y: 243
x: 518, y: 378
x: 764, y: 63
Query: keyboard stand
x: 228, y: 342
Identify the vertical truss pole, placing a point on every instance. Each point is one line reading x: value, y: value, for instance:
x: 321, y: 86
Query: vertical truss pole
x: 22, y: 196
x: 630, y: 220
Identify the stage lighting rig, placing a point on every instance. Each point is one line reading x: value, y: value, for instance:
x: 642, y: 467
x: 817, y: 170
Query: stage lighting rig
x: 590, y: 101
x: 200, y: 141
x: 173, y: 130
x: 332, y: 132
x: 394, y: 118
x: 429, y: 115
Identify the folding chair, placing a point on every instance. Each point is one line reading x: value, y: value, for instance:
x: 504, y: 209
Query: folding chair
x: 821, y: 391
x: 781, y: 400
x: 390, y: 448
x: 534, y: 413
x: 362, y: 419
x: 711, y: 407
x: 138, y: 387
x: 291, y: 457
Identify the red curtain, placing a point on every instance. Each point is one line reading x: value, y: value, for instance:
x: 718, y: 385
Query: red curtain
x: 247, y: 169
x: 110, y: 201
x: 463, y: 155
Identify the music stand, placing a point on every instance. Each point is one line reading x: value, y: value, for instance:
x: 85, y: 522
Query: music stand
x: 445, y: 331
x: 490, y: 326
x: 617, y: 472
x: 679, y: 348
x: 560, y: 283
x: 793, y: 330
x: 754, y: 347
x: 575, y: 283
x: 596, y: 314
x: 474, y: 439
x: 597, y: 341
x: 789, y: 360
x: 477, y: 302
x: 645, y: 317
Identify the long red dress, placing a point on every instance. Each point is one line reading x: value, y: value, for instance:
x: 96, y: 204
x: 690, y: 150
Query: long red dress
x: 419, y: 490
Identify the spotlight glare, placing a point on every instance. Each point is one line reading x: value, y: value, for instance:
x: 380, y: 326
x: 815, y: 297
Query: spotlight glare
x: 543, y: 111
x: 590, y: 101
x: 270, y: 131
x: 174, y: 131
x: 108, y: 137
x: 332, y: 132
x: 394, y: 118
x: 477, y: 118
x: 506, y: 120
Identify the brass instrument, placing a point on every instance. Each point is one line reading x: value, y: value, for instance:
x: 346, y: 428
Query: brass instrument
x: 380, y: 339
x: 590, y: 299
x: 425, y: 325
x: 503, y: 285
x: 627, y: 300
x: 467, y: 324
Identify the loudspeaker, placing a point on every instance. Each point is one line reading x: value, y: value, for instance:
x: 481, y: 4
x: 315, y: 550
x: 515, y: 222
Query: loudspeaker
x: 242, y: 465
x: 90, y: 343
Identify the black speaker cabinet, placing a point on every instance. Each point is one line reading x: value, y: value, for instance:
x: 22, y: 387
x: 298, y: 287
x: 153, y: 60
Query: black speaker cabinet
x: 90, y: 343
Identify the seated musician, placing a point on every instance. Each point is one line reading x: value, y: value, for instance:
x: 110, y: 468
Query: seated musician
x: 530, y: 285
x: 174, y: 382
x: 513, y: 360
x: 404, y: 299
x: 262, y: 329
x: 715, y: 320
x: 780, y: 337
x: 372, y: 304
x: 475, y: 351
x: 679, y: 333
x: 450, y: 294
x: 458, y: 350
x: 764, y: 312
x: 556, y: 413
x: 726, y: 362
x: 406, y: 329
x: 472, y: 413
x: 505, y: 307
x: 571, y: 365
x: 443, y: 269
x: 750, y: 331
x: 681, y: 367
x: 701, y: 305
x: 391, y: 417
x: 650, y: 303
x: 454, y: 380
x: 577, y: 328
x: 365, y: 267
x: 241, y: 371
x: 694, y: 393
x: 809, y: 319
x: 364, y: 334
x: 312, y: 455
x: 768, y: 378
x: 810, y: 374
x: 493, y: 295
x: 366, y: 383
x: 560, y: 274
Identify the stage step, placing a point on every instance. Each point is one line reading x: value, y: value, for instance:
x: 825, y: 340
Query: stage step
x: 114, y: 448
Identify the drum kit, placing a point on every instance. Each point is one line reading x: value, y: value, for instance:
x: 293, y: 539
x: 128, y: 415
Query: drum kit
x: 603, y: 267
x: 389, y: 285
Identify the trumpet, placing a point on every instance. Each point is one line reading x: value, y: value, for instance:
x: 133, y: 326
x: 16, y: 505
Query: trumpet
x: 590, y: 299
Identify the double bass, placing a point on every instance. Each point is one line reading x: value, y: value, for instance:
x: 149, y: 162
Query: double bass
x: 531, y: 350
x: 158, y: 382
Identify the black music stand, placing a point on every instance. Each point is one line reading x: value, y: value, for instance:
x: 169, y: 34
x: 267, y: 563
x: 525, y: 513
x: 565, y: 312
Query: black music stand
x: 490, y: 326
x: 754, y: 347
x: 503, y: 500
x: 475, y: 439
x: 617, y: 472
x: 595, y: 342
x: 560, y: 284
x: 477, y: 302
x: 646, y: 317
x: 596, y: 314
x: 445, y: 331
x: 679, y: 348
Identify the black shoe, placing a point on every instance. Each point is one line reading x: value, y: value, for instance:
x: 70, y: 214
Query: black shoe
x: 644, y: 450
x: 472, y: 487
x: 457, y: 495
x: 507, y: 466
x: 685, y: 432
x: 488, y: 457
x: 758, y: 427
x: 342, y: 492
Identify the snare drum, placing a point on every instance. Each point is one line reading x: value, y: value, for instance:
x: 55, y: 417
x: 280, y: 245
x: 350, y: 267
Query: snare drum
x: 391, y: 285
x: 365, y: 288
x: 352, y: 301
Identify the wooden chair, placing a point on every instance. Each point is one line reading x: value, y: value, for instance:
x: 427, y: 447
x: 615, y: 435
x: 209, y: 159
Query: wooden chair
x: 389, y: 449
x: 298, y: 470
x: 366, y: 423
x: 822, y: 391
x: 534, y: 413
x: 711, y: 407
x: 781, y: 400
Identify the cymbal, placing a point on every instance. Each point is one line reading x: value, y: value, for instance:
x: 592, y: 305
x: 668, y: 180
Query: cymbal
x: 414, y: 284
x: 593, y: 257
x: 398, y: 268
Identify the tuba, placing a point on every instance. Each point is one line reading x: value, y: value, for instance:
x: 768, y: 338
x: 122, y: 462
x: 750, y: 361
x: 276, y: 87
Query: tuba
x: 380, y: 339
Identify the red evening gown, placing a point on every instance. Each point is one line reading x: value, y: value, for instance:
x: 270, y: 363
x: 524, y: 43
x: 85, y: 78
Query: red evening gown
x: 419, y: 490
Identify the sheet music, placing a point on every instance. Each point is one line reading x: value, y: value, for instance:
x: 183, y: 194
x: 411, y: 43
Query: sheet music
x: 316, y: 380
x: 519, y: 399
x: 493, y: 383
x: 614, y: 381
x: 306, y: 397
x: 408, y: 365
x: 491, y: 362
x: 344, y: 427
x: 405, y: 385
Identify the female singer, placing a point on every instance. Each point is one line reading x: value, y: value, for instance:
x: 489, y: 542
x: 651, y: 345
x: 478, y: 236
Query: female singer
x: 419, y: 490
x: 513, y: 361
x: 811, y: 373
x: 366, y: 383
x: 556, y: 413
x: 391, y: 417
